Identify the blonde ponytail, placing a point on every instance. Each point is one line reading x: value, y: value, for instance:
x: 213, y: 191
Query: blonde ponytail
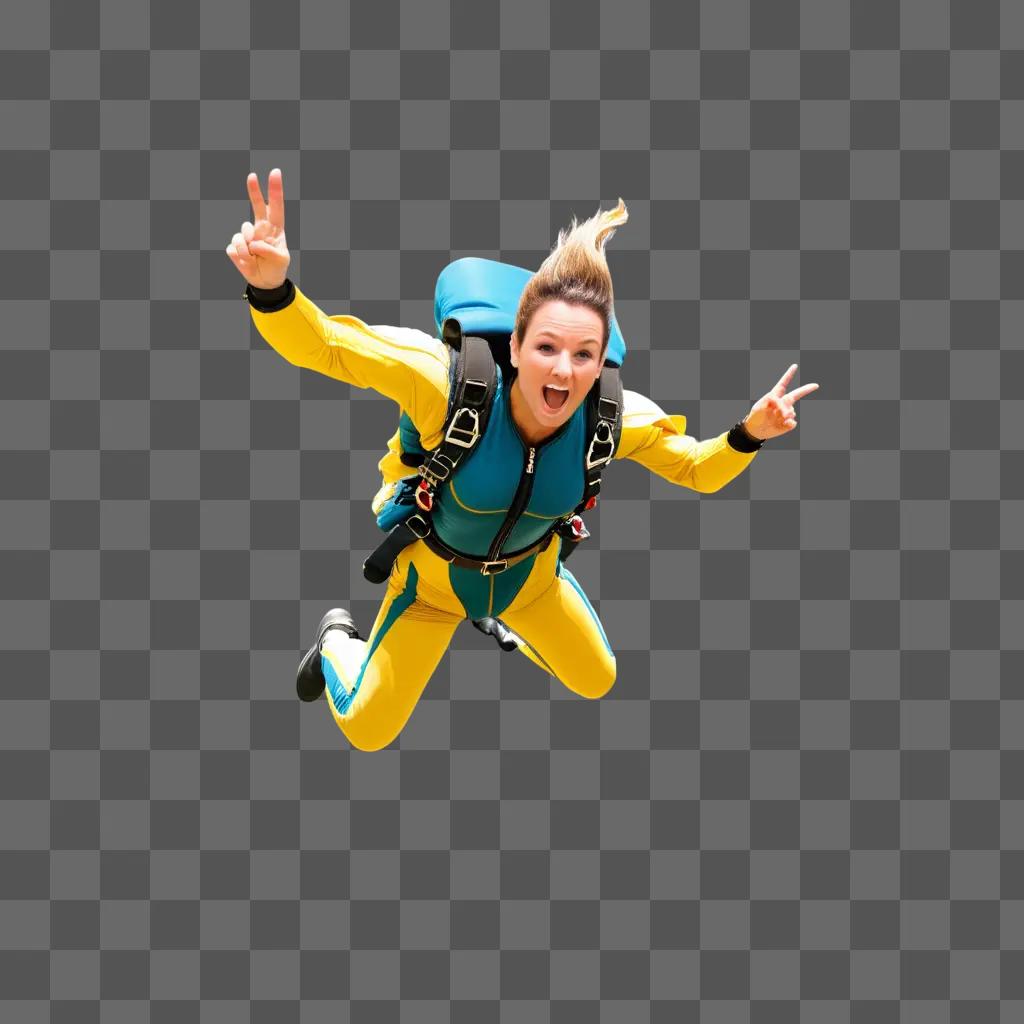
x: 576, y: 271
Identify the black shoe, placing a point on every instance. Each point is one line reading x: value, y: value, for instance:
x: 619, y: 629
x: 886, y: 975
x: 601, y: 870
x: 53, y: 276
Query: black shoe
x: 496, y: 628
x: 309, y: 679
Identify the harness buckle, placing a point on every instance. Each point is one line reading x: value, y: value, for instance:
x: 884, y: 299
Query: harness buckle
x: 465, y: 436
x: 474, y: 392
x: 572, y: 529
x: 607, y: 408
x: 415, y: 521
x: 436, y: 468
x: 490, y: 568
x: 424, y: 496
x: 602, y: 445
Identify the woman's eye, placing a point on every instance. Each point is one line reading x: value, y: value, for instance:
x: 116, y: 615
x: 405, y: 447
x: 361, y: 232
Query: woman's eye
x: 545, y: 347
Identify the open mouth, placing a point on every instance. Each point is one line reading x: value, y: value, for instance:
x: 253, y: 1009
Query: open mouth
x: 554, y: 398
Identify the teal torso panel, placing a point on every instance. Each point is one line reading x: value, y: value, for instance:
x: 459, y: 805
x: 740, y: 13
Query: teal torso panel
x: 474, y: 504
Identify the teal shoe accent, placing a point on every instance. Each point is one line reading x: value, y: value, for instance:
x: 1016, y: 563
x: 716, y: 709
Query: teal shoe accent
x: 340, y: 697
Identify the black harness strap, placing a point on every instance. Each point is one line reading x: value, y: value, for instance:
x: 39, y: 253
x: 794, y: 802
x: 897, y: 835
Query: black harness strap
x: 471, y: 394
x: 472, y: 383
x: 604, y: 428
x: 378, y: 565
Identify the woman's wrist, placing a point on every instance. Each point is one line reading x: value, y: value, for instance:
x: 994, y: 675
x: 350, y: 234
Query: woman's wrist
x: 742, y: 440
x: 746, y: 430
x: 270, y: 300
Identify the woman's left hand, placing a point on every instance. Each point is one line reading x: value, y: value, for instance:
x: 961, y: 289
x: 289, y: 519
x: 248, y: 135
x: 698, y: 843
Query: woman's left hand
x: 774, y: 414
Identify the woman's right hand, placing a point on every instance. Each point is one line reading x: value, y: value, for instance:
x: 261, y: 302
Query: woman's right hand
x: 259, y: 250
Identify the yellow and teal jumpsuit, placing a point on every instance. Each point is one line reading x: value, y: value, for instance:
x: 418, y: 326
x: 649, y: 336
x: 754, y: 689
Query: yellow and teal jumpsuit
x: 373, y: 685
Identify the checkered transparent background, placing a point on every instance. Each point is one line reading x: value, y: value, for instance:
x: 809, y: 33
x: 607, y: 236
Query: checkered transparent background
x: 803, y: 799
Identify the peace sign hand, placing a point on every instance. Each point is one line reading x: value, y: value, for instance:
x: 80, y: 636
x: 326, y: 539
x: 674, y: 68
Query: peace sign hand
x: 774, y: 414
x: 259, y: 250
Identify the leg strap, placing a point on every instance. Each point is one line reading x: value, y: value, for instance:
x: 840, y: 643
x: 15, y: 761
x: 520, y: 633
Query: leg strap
x: 377, y: 567
x: 497, y: 629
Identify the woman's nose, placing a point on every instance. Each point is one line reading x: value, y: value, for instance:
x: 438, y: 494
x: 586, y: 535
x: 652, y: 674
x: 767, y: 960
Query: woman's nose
x: 563, y: 365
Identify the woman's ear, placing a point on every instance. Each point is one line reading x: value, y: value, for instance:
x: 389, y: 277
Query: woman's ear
x: 513, y: 350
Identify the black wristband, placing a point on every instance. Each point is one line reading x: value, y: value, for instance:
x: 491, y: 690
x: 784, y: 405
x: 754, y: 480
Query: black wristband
x: 270, y: 300
x: 742, y: 441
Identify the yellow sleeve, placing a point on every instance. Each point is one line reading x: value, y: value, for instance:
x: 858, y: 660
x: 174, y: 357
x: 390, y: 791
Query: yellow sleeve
x: 405, y: 365
x: 659, y: 441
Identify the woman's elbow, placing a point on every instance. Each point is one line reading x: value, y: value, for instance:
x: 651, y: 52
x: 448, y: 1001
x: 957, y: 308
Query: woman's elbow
x: 695, y: 482
x: 702, y: 485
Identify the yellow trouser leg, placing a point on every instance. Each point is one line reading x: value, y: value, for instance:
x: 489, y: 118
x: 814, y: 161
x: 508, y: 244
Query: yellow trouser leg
x: 382, y: 678
x: 564, y: 637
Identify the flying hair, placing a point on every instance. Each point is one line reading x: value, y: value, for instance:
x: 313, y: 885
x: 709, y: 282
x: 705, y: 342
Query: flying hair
x: 576, y: 271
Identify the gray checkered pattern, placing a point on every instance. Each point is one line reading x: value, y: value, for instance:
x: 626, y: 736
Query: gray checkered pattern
x: 803, y: 799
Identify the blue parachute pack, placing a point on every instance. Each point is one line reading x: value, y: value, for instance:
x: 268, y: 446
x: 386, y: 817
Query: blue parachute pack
x: 475, y: 303
x: 483, y: 296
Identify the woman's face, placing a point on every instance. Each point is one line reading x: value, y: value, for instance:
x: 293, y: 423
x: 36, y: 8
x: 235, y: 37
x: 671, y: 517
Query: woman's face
x: 560, y: 355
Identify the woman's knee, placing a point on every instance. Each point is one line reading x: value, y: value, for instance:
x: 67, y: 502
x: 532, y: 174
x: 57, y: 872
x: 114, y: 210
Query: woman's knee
x: 367, y: 741
x: 364, y: 725
x: 367, y: 732
x: 596, y: 680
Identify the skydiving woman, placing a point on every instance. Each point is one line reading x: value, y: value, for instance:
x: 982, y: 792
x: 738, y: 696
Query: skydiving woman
x: 536, y: 427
